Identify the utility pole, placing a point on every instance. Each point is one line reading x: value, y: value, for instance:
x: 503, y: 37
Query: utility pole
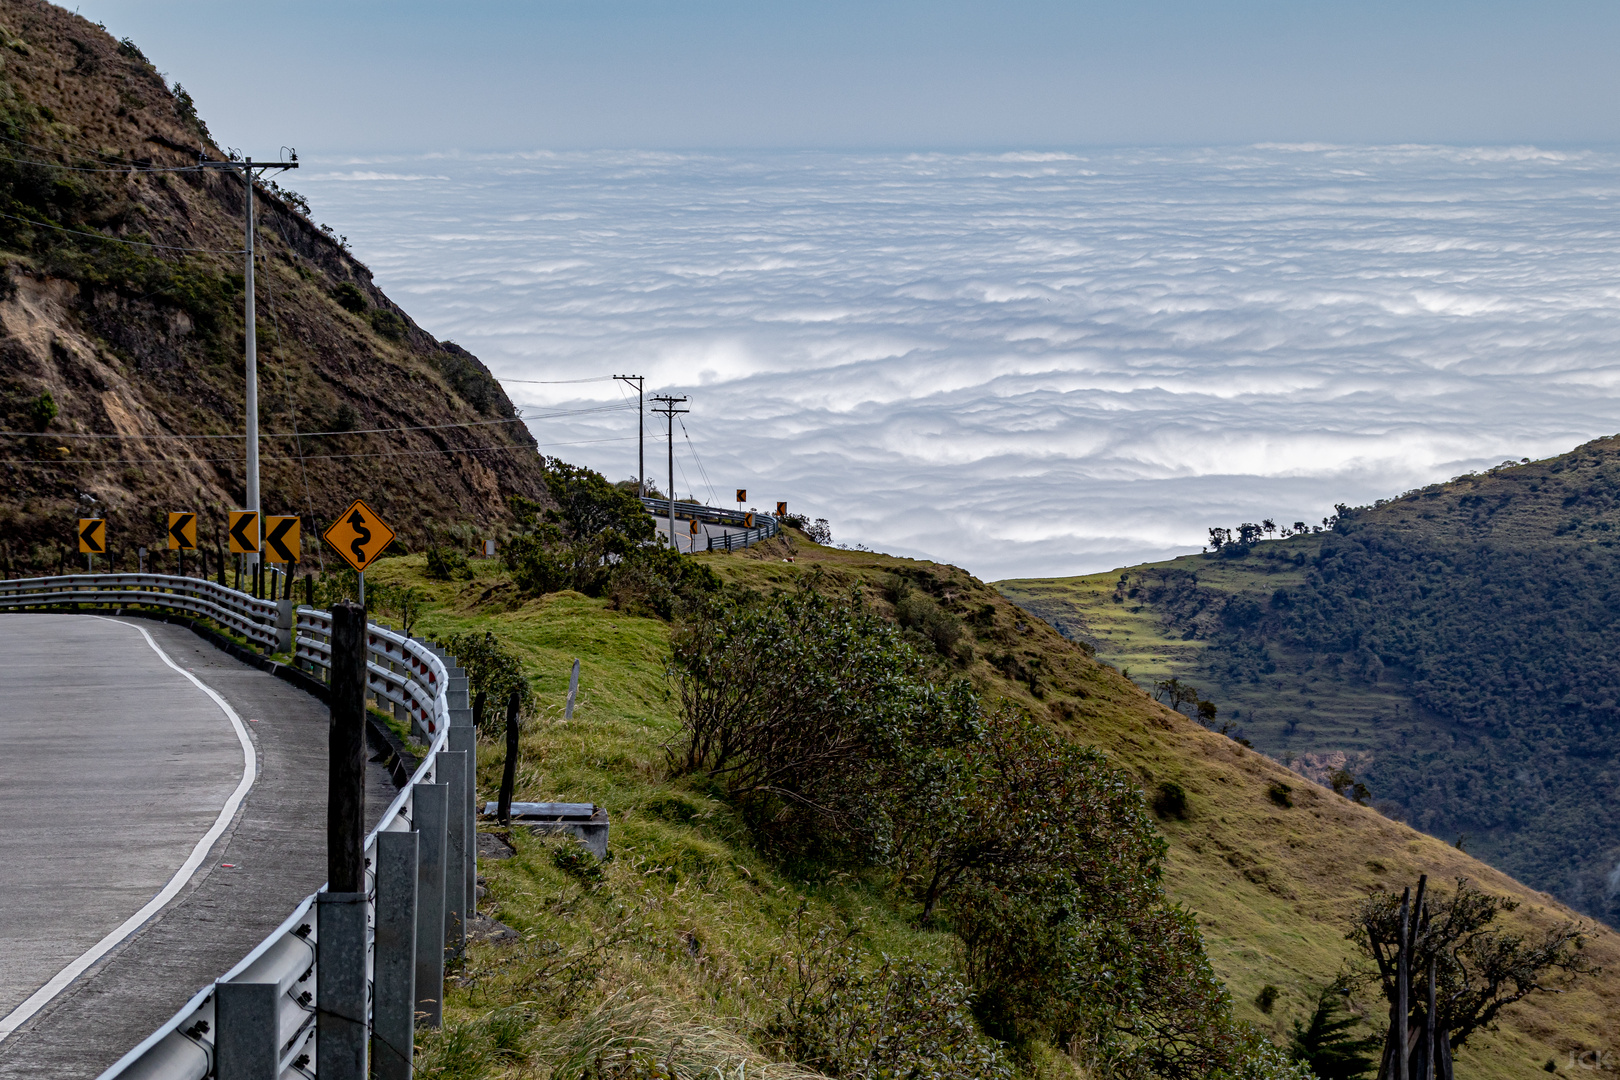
x: 250, y: 172
x: 670, y: 412
x: 641, y: 434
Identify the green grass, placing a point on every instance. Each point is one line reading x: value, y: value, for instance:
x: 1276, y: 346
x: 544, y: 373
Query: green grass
x: 677, y: 945
x: 682, y: 934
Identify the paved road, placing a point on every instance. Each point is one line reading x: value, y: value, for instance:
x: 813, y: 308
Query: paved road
x: 114, y: 770
x: 699, y: 542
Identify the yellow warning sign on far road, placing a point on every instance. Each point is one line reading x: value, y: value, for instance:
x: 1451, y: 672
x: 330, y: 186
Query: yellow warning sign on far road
x: 92, y: 536
x: 359, y: 535
x: 182, y: 531
x: 244, y: 532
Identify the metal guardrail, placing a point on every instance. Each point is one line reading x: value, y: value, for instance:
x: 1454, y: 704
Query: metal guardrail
x: 764, y: 527
x: 425, y: 686
x: 260, y: 621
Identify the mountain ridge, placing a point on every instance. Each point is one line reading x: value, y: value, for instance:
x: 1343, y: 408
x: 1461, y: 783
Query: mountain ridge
x: 121, y: 309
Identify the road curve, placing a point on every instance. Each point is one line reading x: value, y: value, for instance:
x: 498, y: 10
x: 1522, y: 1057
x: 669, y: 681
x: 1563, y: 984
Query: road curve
x: 115, y: 767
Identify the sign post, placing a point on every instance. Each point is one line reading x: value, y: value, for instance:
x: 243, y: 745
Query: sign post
x: 359, y: 536
x: 182, y: 536
x: 92, y: 540
x: 244, y: 538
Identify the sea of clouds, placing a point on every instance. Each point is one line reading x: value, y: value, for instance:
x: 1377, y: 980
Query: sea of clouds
x: 1023, y: 363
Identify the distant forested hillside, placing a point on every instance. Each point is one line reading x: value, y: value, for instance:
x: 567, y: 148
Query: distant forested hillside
x: 1455, y: 648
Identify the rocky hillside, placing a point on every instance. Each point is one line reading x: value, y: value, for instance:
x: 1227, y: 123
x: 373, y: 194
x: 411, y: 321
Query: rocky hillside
x: 121, y: 305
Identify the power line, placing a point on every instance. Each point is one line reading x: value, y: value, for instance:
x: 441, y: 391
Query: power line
x: 690, y: 445
x: 124, y: 169
x: 121, y: 240
x: 312, y: 434
x: 306, y: 457
x: 559, y: 382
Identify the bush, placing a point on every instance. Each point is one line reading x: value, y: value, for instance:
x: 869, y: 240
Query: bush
x: 595, y: 529
x: 815, y: 716
x: 1280, y: 793
x: 919, y: 612
x: 447, y: 564
x: 1266, y: 999
x: 493, y: 670
x: 1170, y: 801
x: 856, y: 1018
x: 350, y: 298
x: 387, y: 324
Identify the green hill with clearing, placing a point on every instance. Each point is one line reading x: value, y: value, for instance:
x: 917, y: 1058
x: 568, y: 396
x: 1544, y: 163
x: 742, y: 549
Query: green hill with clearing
x: 1455, y: 648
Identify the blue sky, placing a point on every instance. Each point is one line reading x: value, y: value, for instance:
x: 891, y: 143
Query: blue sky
x: 367, y: 76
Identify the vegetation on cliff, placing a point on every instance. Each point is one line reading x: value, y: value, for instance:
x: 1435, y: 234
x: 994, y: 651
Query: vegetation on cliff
x: 122, y: 333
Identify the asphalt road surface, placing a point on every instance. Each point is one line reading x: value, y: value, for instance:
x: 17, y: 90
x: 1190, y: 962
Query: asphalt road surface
x: 162, y: 809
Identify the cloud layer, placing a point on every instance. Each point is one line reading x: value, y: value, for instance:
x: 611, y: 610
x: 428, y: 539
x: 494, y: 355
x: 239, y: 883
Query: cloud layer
x: 1032, y: 363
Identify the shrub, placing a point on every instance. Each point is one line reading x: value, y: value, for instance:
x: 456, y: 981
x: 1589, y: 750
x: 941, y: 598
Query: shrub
x: 447, y: 564
x: 350, y: 298
x: 856, y: 1018
x: 41, y: 411
x: 387, y: 324
x: 1266, y: 999
x: 493, y: 670
x: 919, y: 612
x: 581, y: 544
x: 1280, y: 793
x: 1170, y: 801
x: 815, y: 716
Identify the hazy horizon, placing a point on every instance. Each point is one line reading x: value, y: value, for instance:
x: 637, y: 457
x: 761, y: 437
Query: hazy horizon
x: 1024, y: 364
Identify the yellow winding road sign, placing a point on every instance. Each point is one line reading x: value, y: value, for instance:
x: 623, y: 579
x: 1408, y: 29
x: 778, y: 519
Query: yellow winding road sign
x: 359, y: 535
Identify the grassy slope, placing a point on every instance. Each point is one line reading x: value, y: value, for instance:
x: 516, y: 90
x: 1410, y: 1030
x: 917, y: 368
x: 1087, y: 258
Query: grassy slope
x: 1273, y: 887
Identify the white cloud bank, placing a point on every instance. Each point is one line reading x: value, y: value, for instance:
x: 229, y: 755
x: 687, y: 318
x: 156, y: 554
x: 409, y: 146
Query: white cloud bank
x: 1027, y: 364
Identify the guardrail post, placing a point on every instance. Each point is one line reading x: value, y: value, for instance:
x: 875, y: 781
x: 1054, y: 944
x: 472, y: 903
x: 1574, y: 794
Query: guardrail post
x: 393, y: 1030
x: 340, y: 973
x: 346, y: 736
x: 284, y: 625
x: 455, y: 851
x: 465, y: 739
x: 429, y: 805
x: 455, y: 694
x: 247, y: 1035
x: 340, y: 986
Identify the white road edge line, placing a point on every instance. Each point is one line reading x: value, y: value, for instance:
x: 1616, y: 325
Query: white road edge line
x: 250, y: 770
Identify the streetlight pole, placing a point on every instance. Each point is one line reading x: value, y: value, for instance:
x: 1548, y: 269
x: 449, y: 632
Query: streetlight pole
x: 670, y: 412
x: 247, y: 168
x: 641, y: 433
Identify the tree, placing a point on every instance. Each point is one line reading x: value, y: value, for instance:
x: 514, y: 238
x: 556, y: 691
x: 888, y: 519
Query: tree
x: 1269, y: 525
x: 1326, y: 1045
x: 594, y: 526
x: 1446, y: 974
x: 1344, y: 782
x: 1248, y: 533
x: 1219, y: 538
